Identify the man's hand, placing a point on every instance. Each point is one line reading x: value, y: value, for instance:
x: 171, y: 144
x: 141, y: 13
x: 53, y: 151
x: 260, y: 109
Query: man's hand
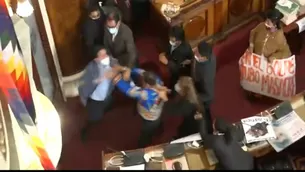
x: 250, y: 49
x: 186, y: 62
x: 198, y: 116
x: 163, y: 88
x: 163, y: 95
x: 163, y: 59
x: 270, y: 59
x: 126, y: 74
x: 115, y: 1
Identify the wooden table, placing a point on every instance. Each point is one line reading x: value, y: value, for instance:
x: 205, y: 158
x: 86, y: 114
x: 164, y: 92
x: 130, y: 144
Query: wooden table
x: 197, y: 158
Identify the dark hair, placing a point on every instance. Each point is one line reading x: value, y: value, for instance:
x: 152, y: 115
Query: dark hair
x: 114, y: 14
x: 98, y: 48
x: 177, y: 32
x: 205, y: 49
x: 222, y: 126
x: 93, y: 8
x: 275, y: 16
x: 150, y: 78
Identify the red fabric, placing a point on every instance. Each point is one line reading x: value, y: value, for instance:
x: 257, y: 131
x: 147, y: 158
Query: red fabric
x: 120, y: 128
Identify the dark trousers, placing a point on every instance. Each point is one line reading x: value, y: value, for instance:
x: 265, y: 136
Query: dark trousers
x: 208, y: 116
x: 148, y: 130
x: 95, y: 111
x: 185, y: 109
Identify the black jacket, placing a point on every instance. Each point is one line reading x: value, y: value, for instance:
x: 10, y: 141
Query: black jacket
x: 205, y: 73
x: 93, y: 33
x: 229, y: 154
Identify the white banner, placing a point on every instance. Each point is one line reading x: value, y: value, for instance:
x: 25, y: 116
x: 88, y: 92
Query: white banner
x: 276, y: 79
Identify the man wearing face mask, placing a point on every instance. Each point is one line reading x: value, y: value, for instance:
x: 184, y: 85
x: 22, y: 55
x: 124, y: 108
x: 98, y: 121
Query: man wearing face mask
x: 95, y: 88
x: 119, y: 40
x: 178, y: 55
x: 203, y: 73
x: 228, y: 151
x: 268, y: 38
x: 93, y: 29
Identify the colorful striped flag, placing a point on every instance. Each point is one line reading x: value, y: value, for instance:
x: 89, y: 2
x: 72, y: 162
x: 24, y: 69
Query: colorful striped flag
x: 14, y: 82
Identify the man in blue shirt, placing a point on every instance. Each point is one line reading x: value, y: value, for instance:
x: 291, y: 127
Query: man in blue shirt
x: 151, y: 97
x: 96, y: 87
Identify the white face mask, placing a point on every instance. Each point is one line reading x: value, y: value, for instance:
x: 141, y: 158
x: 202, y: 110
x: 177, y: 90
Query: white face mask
x: 172, y: 43
x: 268, y: 26
x: 105, y: 61
x: 113, y: 31
x: 177, y: 88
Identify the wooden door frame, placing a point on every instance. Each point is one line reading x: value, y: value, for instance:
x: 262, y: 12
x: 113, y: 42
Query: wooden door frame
x: 47, y: 49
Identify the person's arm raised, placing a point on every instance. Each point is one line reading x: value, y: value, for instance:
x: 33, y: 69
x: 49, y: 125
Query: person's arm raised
x: 129, y: 90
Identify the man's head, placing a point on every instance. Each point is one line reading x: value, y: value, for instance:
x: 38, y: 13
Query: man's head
x: 176, y: 35
x: 150, y: 79
x: 101, y: 55
x: 113, y: 20
x: 203, y: 50
x: 94, y: 12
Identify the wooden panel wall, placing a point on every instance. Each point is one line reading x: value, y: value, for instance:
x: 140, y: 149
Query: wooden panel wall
x: 65, y: 20
x: 214, y: 16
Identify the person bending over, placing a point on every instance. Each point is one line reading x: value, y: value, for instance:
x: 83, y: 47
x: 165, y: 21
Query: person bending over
x: 150, y: 101
x: 226, y: 148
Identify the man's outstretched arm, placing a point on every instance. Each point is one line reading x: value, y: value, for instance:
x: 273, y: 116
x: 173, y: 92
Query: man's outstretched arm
x: 129, y: 90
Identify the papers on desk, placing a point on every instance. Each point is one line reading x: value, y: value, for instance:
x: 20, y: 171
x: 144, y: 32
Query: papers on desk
x: 134, y: 167
x: 301, y: 24
x: 288, y: 129
x: 257, y: 128
x: 190, y: 138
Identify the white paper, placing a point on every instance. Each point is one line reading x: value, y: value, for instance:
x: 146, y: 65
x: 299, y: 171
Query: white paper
x: 190, y: 138
x: 288, y: 129
x: 301, y: 24
x: 134, y: 167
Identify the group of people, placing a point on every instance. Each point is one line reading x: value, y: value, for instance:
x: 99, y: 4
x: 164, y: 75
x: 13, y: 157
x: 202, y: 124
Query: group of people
x: 191, y: 91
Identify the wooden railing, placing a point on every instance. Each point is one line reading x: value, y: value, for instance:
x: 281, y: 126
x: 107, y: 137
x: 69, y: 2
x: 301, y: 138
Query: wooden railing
x: 208, y: 17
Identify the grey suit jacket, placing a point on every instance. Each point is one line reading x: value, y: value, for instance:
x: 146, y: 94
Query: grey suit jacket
x: 123, y: 47
x: 87, y: 86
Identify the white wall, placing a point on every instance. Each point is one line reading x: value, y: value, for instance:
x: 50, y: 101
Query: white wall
x: 40, y: 58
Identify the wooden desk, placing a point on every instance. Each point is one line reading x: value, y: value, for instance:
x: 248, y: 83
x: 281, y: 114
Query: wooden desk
x: 204, y: 18
x: 197, y: 158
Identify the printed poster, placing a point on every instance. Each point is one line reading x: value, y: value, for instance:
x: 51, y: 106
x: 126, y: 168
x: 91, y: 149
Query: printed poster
x: 288, y: 129
x: 257, y: 128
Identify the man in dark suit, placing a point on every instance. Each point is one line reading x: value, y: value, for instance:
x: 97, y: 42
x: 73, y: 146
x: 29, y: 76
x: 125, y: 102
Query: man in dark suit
x: 226, y: 148
x: 119, y: 40
x: 93, y: 29
x: 203, y: 73
x: 178, y: 55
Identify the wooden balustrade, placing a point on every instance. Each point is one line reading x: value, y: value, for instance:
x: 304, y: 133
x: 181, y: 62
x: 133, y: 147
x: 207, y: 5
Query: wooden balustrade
x: 205, y: 18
